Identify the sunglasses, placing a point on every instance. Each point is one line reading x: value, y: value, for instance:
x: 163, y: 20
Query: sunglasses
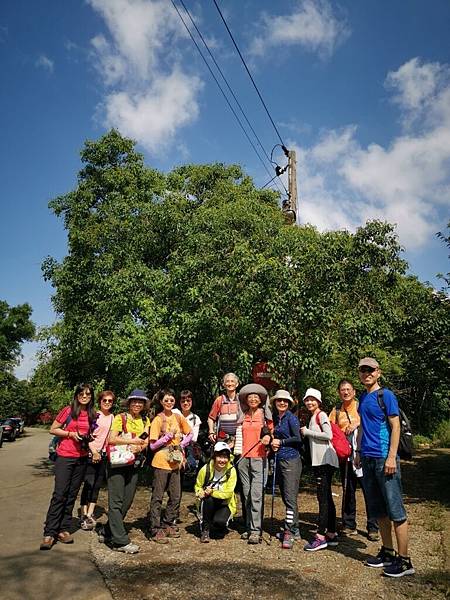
x: 283, y: 400
x: 107, y: 400
x: 366, y: 369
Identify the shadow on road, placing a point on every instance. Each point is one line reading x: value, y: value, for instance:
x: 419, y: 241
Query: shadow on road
x: 427, y: 478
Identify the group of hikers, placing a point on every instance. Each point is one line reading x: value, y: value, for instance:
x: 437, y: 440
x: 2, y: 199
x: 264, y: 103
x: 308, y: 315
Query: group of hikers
x: 248, y: 432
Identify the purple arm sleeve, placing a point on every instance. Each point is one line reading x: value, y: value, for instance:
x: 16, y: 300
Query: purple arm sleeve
x: 161, y: 442
x: 186, y: 440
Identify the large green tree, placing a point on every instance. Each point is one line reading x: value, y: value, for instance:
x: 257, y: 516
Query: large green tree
x: 179, y: 277
x: 15, y: 328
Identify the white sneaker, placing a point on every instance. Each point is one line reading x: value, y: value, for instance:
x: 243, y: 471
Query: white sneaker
x: 128, y: 549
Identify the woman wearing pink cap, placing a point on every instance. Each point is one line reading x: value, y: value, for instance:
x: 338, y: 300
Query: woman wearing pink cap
x: 324, y: 460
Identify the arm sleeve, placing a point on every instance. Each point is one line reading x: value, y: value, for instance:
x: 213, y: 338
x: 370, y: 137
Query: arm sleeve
x: 227, y: 487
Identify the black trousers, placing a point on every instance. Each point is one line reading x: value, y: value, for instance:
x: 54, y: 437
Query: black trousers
x: 327, y: 509
x: 349, y: 483
x: 215, y: 512
x: 69, y: 474
x: 93, y: 479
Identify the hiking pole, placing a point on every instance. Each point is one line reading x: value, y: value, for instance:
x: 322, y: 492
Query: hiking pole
x: 263, y: 497
x: 274, y: 476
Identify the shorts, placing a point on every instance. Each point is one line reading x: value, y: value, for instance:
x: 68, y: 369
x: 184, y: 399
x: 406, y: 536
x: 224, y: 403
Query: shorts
x: 383, y: 492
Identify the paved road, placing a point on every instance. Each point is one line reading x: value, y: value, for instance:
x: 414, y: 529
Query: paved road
x: 26, y: 573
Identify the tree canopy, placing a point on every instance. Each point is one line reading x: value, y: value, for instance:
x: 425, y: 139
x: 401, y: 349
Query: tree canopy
x: 180, y: 277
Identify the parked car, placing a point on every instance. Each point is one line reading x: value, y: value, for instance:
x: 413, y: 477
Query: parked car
x: 1, y: 436
x: 9, y: 429
x: 20, y: 424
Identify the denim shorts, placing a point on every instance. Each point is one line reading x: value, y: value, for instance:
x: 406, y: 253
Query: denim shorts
x: 383, y: 492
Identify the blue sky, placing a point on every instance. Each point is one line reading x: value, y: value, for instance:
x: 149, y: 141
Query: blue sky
x: 360, y: 89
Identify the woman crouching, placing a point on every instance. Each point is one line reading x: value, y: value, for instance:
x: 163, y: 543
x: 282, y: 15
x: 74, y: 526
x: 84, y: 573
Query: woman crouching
x: 215, y: 489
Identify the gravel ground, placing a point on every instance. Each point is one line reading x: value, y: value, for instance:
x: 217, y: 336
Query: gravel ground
x: 231, y: 569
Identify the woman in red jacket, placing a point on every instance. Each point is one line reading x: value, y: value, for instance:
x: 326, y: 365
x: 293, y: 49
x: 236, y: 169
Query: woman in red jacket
x: 73, y: 424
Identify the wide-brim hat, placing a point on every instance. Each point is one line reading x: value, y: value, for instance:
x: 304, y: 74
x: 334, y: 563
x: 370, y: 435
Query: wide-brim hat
x: 314, y: 394
x: 255, y: 388
x: 283, y: 395
x: 136, y: 394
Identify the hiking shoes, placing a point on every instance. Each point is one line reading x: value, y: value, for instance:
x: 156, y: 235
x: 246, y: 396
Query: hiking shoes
x: 332, y: 540
x: 172, y: 532
x: 47, y: 542
x: 128, y: 548
x: 399, y: 567
x: 316, y: 544
x: 87, y: 523
x: 373, y: 535
x: 384, y: 558
x: 254, y: 539
x: 296, y: 535
x: 349, y: 531
x: 204, y: 538
x: 245, y: 535
x: 160, y: 537
x: 288, y: 541
x: 65, y: 537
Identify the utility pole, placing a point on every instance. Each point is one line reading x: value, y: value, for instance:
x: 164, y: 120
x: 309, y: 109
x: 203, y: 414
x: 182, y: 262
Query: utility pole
x: 290, y: 204
x: 292, y: 180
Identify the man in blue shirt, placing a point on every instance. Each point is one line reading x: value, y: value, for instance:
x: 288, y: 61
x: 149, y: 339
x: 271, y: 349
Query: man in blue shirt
x: 378, y: 441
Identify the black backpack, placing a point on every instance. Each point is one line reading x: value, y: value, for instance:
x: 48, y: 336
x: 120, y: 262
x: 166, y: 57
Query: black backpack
x: 405, y: 445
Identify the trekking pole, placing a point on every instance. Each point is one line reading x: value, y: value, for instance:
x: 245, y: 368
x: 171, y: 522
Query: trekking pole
x: 263, y: 497
x: 274, y: 476
x: 344, y: 491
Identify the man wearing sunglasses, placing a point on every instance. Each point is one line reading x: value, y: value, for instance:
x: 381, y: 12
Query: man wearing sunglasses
x: 377, y: 454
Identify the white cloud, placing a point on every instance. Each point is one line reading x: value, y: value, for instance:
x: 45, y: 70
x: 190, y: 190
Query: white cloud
x: 149, y: 95
x: 43, y: 62
x: 342, y: 184
x: 156, y: 114
x: 312, y: 25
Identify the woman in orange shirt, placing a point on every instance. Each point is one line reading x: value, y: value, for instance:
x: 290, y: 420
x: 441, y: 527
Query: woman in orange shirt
x: 256, y: 437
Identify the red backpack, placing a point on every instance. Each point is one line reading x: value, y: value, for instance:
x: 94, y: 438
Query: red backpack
x: 339, y: 441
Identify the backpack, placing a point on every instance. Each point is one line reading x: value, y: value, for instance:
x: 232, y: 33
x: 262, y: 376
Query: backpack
x: 405, y: 446
x: 55, y: 441
x: 338, y: 441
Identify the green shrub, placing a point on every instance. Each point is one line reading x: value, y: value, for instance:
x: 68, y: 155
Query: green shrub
x: 441, y: 436
x: 420, y: 441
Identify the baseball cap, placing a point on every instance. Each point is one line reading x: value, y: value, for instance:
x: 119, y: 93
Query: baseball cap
x: 221, y: 447
x: 368, y: 362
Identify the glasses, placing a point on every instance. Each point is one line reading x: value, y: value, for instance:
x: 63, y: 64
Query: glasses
x: 185, y: 400
x: 282, y: 401
x: 172, y: 400
x: 366, y: 369
x: 107, y: 400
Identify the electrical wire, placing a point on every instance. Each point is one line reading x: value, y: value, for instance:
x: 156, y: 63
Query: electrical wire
x: 222, y: 91
x: 249, y: 74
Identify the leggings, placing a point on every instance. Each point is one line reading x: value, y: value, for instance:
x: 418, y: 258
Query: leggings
x: 327, y: 510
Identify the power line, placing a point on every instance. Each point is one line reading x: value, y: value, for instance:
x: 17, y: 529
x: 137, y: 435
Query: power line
x: 221, y: 89
x: 249, y: 74
x: 225, y: 79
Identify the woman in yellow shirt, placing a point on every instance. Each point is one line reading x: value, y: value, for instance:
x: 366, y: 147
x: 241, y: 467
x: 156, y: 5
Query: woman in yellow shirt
x: 170, y: 433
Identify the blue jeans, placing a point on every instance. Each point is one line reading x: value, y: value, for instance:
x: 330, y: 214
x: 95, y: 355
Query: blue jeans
x: 383, y: 492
